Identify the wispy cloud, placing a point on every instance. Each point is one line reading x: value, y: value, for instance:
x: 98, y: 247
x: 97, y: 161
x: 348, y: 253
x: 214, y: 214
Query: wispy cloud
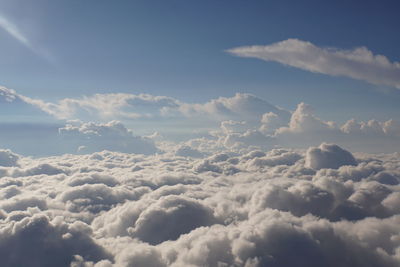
x: 358, y: 63
x: 14, y: 31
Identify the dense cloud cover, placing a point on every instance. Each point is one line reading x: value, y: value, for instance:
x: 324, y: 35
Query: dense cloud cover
x: 321, y: 207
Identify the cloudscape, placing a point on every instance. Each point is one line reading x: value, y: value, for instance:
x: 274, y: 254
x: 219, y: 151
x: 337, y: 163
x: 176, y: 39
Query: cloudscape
x: 199, y: 133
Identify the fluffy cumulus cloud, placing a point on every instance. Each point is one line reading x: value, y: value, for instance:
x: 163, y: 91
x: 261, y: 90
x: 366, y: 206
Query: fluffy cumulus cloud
x: 301, y: 130
x: 323, y: 206
x: 306, y: 128
x: 128, y: 107
x: 8, y: 158
x: 108, y: 106
x: 237, y: 123
x: 31, y: 130
x: 91, y: 137
x: 358, y: 63
x: 328, y: 156
x: 241, y: 105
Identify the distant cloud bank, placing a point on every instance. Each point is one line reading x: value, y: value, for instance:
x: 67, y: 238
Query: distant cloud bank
x: 243, y: 121
x: 358, y: 63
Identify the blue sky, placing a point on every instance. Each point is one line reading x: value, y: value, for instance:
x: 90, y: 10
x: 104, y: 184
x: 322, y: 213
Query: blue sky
x: 67, y: 49
x: 200, y: 133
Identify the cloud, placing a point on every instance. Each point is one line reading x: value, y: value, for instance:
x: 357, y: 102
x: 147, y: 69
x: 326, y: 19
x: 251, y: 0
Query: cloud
x: 14, y: 31
x: 7, y: 95
x: 249, y: 138
x: 26, y: 134
x: 169, y: 218
x: 274, y: 158
x: 358, y: 63
x: 322, y: 207
x: 303, y: 120
x: 187, y: 151
x: 140, y: 255
x: 108, y: 106
x: 328, y: 156
x: 7, y: 158
x: 21, y: 107
x: 127, y: 107
x: 243, y: 121
x: 36, y: 241
x: 239, y: 106
x: 301, y: 129
x: 306, y: 129
x: 90, y: 137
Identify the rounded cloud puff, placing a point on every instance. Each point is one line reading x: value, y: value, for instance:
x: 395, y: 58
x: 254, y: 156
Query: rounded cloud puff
x: 169, y: 218
x: 8, y: 159
x: 328, y: 156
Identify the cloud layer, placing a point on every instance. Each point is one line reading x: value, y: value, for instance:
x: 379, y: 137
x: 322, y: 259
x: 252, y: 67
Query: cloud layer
x: 282, y: 207
x: 358, y: 63
x: 120, y: 106
x: 242, y: 121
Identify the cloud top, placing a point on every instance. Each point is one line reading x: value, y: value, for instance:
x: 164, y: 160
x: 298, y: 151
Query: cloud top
x: 328, y: 156
x: 257, y: 208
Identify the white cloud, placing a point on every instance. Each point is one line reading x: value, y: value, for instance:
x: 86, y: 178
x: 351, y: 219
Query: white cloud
x: 240, y: 122
x: 14, y: 31
x: 303, y: 129
x: 114, y: 136
x: 7, y: 158
x: 328, y: 156
x: 274, y: 158
x: 108, y: 106
x: 7, y: 95
x: 37, y: 241
x: 358, y: 63
x: 304, y: 120
x: 228, y: 209
x: 127, y: 107
x: 18, y: 105
x: 270, y: 122
x: 75, y: 136
x: 187, y: 151
x: 239, y: 106
x: 306, y: 129
x: 169, y: 218
x: 249, y: 138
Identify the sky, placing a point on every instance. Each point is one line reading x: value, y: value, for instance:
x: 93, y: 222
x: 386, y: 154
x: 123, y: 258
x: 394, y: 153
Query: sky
x: 178, y: 49
x: 338, y: 57
x: 199, y: 133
